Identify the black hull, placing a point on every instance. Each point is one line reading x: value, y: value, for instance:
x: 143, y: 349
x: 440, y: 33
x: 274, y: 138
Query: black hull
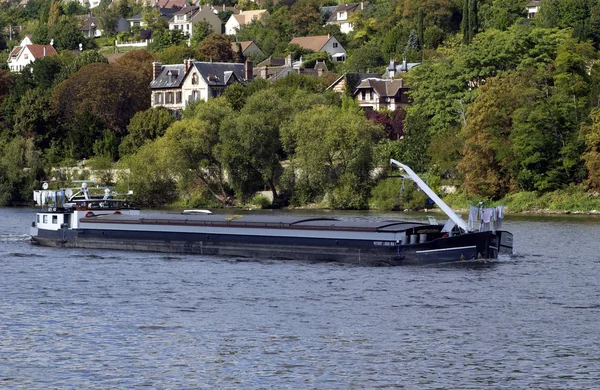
x: 466, y: 247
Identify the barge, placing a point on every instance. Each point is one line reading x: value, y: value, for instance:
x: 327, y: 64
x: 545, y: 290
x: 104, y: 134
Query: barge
x: 114, y: 224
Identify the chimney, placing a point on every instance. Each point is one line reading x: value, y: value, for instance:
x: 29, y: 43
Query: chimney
x: 264, y: 72
x: 362, y: 5
x: 392, y: 69
x: 320, y: 72
x: 248, y: 70
x: 44, y: 51
x: 288, y: 60
x: 156, y: 69
x: 404, y: 67
x: 186, y: 65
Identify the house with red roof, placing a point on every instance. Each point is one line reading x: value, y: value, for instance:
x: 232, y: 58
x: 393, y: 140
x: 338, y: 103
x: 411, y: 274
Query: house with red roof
x: 26, y: 53
x: 326, y: 43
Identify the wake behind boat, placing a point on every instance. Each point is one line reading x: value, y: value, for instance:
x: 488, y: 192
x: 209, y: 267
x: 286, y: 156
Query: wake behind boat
x: 114, y: 224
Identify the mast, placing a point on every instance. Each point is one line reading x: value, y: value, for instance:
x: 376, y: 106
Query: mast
x: 438, y: 201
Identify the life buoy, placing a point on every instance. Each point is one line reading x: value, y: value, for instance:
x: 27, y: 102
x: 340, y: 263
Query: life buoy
x: 89, y: 214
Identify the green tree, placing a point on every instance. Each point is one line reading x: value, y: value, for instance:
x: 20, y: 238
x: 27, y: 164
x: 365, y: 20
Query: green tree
x: 250, y: 147
x: 332, y: 157
x: 145, y: 126
x: 20, y: 171
x: 201, y: 31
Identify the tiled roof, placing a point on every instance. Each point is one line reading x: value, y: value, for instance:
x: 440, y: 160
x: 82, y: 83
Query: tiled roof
x: 243, y: 44
x: 315, y: 43
x: 171, y: 3
x: 246, y: 17
x: 219, y: 73
x: 348, y: 8
x: 533, y: 3
x: 272, y: 61
x: 171, y: 76
x: 383, y: 88
x: 353, y: 79
x: 37, y: 51
x: 186, y: 10
x: 15, y: 52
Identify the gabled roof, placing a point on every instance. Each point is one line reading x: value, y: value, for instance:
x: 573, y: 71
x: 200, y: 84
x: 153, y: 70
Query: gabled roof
x: 40, y: 51
x: 243, y: 44
x: 272, y: 61
x: 89, y: 23
x: 220, y: 73
x: 171, y: 76
x: 171, y: 3
x: 187, y: 10
x: 383, y: 88
x: 246, y: 17
x: 315, y: 43
x: 353, y: 79
x: 15, y: 52
x: 348, y: 8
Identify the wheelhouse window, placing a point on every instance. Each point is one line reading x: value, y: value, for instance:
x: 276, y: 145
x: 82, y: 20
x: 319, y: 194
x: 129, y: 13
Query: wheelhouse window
x: 55, y: 219
x: 45, y: 219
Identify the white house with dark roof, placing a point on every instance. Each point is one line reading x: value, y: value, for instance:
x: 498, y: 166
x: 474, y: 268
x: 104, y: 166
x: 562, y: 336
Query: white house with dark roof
x: 380, y: 94
x: 326, y: 43
x: 533, y: 8
x: 342, y: 15
x: 26, y: 53
x: 176, y: 86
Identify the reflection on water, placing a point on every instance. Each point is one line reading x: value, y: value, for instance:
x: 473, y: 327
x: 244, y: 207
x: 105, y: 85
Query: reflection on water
x: 108, y: 319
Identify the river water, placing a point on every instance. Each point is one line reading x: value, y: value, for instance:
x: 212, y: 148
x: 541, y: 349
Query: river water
x: 98, y: 319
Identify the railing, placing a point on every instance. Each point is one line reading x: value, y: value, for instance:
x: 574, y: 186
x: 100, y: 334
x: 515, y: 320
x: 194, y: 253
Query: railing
x: 143, y: 43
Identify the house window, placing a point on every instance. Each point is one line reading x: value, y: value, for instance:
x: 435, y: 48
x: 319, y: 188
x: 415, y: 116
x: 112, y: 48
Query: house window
x: 335, y: 45
x: 169, y: 98
x: 195, y: 96
x: 371, y: 95
x: 158, y: 98
x: 194, y: 79
x: 55, y: 219
x: 26, y: 56
x: 364, y: 94
x: 177, y: 97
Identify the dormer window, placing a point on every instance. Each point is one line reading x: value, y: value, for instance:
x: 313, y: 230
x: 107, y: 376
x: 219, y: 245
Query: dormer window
x: 342, y: 15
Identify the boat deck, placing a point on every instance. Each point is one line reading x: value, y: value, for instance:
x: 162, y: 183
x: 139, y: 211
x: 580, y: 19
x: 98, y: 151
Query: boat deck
x: 261, y: 221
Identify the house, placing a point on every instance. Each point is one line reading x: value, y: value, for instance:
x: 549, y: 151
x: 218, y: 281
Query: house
x: 383, y: 94
x: 380, y: 94
x: 176, y: 86
x: 533, y: 8
x: 26, y: 53
x: 249, y: 48
x: 244, y: 17
x: 326, y: 43
x: 342, y: 15
x: 187, y: 17
x: 136, y: 20
x: 90, y: 28
x: 348, y: 82
x: 274, y: 68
